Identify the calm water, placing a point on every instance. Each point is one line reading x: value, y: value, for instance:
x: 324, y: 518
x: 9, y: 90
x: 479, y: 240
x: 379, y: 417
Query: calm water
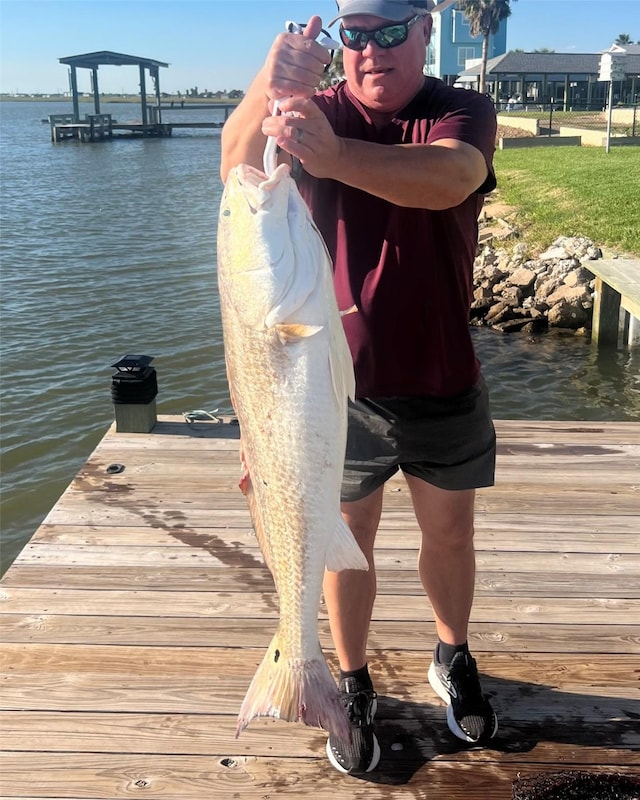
x: 109, y: 248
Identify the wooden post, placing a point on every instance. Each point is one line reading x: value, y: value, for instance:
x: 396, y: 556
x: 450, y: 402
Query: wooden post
x: 96, y: 90
x: 74, y: 94
x: 625, y: 326
x: 606, y: 315
x: 155, y: 74
x: 143, y: 94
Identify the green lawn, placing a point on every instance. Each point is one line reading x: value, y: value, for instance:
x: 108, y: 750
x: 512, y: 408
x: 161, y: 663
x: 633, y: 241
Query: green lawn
x: 573, y: 191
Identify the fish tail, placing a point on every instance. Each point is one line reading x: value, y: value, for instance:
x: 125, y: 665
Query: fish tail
x: 295, y: 690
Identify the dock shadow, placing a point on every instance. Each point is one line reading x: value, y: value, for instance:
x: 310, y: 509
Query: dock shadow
x: 199, y: 428
x: 411, y: 734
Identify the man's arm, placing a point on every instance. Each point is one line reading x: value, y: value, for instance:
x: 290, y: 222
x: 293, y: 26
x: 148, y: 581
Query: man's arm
x: 242, y: 141
x: 293, y: 67
x: 434, y: 176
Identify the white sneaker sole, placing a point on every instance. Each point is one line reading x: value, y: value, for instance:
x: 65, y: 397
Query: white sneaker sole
x: 374, y: 761
x: 439, y: 688
x: 376, y: 749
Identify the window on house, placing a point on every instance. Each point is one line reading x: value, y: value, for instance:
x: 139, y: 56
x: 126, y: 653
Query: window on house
x: 464, y: 53
x: 461, y: 19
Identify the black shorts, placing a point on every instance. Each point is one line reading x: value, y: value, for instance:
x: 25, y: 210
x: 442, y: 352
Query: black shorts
x: 448, y: 442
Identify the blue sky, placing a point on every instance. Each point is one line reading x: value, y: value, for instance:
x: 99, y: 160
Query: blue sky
x: 220, y: 44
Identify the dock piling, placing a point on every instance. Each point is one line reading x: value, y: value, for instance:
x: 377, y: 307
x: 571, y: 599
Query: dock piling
x: 606, y: 312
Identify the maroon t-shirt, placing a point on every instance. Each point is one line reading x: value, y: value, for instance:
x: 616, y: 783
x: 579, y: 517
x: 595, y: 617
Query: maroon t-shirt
x: 407, y: 270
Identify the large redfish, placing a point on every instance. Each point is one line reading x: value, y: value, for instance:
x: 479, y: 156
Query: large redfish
x: 290, y: 373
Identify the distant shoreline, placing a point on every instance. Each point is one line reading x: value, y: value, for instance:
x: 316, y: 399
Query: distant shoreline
x: 118, y: 98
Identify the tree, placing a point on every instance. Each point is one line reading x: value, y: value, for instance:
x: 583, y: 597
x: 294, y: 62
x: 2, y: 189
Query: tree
x: 543, y: 50
x: 484, y: 18
x: 623, y: 38
x: 334, y: 72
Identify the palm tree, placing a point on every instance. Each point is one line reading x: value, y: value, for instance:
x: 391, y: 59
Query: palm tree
x: 484, y: 18
x: 623, y: 38
x: 334, y: 72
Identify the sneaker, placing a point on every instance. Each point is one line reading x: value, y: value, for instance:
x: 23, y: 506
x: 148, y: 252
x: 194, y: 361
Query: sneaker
x: 469, y: 713
x: 362, y: 753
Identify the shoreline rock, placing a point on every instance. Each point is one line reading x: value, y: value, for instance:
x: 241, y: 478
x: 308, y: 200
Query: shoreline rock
x: 513, y: 292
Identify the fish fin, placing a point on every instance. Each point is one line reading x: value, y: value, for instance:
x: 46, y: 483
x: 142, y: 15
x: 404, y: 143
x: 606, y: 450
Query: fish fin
x: 246, y: 486
x: 245, y: 483
x: 351, y: 310
x: 291, y: 332
x: 341, y: 365
x: 344, y: 552
x: 245, y: 479
x: 295, y: 690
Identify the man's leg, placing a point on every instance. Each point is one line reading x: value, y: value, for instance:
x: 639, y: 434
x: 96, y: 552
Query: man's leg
x: 447, y: 571
x: 350, y: 594
x: 447, y: 558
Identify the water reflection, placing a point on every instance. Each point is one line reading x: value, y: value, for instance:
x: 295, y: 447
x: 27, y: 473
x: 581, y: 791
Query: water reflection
x: 558, y: 376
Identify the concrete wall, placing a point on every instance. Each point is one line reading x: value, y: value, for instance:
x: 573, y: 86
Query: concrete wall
x: 598, y: 138
x: 589, y: 138
x: 530, y: 124
x: 624, y: 116
x: 505, y: 143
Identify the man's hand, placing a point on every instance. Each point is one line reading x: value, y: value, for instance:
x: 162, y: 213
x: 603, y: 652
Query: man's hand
x: 306, y: 134
x: 296, y: 63
x: 294, y: 67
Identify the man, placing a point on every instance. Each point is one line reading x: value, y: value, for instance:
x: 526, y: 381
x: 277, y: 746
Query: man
x: 394, y: 169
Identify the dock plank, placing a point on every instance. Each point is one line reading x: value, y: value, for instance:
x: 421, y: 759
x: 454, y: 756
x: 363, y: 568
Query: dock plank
x: 249, y: 556
x: 261, y: 605
x: 209, y: 734
x: 398, y: 582
x: 183, y: 631
x: 167, y: 777
x: 494, y: 532
x: 133, y: 621
x: 160, y: 509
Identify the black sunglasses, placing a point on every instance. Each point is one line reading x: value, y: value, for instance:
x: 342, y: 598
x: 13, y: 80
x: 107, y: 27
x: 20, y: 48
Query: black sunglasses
x: 385, y: 37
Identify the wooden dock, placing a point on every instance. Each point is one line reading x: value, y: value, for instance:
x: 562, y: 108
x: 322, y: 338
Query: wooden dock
x: 101, y: 127
x: 616, y: 311
x: 135, y: 618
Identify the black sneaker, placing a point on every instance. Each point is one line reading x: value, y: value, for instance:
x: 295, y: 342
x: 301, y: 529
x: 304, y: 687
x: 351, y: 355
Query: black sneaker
x: 362, y: 753
x: 469, y: 713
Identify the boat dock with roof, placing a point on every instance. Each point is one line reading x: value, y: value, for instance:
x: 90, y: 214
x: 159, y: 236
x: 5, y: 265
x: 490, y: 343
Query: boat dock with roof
x: 99, y: 126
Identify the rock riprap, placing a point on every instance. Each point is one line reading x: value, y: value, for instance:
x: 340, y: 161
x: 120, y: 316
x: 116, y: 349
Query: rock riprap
x: 513, y: 292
